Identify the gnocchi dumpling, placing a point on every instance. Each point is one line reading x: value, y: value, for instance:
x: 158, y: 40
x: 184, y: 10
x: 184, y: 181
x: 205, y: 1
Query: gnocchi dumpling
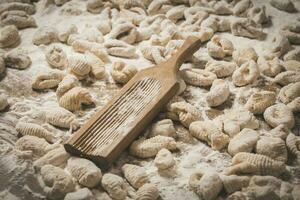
x: 9, y: 36
x: 122, y: 72
x: 260, y: 101
x: 48, y: 80
x: 135, y: 175
x: 146, y: 148
x: 74, y: 98
x: 279, y: 114
x: 56, y: 57
x: 246, y: 74
x: 218, y: 94
x: 198, y: 77
x: 85, y: 171
x: 114, y: 185
x: 219, y: 47
x: 208, y: 132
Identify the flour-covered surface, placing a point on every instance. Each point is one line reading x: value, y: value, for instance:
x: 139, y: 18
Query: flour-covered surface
x: 21, y: 177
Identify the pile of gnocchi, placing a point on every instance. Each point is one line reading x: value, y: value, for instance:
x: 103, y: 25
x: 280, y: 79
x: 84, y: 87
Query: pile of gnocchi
x: 240, y: 103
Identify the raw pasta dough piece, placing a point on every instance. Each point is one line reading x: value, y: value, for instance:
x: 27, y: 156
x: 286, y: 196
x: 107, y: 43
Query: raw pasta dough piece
x: 258, y: 14
x: 164, y: 159
x: 74, y: 98
x: 114, y: 186
x: 279, y: 114
x: 256, y: 164
x: 287, y: 77
x: 122, y: 72
x: 293, y: 145
x: 147, y: 192
x: 241, y: 7
x: 153, y: 53
x: 185, y: 113
x: 65, y: 31
x: 9, y: 36
x: 206, y: 184
x: 97, y: 67
x: 57, y: 182
x: 125, y: 32
x: 269, y: 67
x: 135, y: 175
x: 37, y: 146
x: 219, y: 93
x: 260, y: 101
x: 18, y: 18
x: 56, y: 57
x: 241, y: 56
x: 56, y: 157
x: 26, y: 128
x: 246, y: 28
x: 85, y: 171
x: 17, y: 60
x: 28, y: 8
x: 45, y: 35
x: 281, y: 45
x: 234, y: 183
x: 120, y: 49
x: 3, y: 101
x: 146, y: 148
x: 289, y: 92
x: 48, y: 80
x: 69, y: 81
x: 208, y: 132
x: 163, y: 127
x: 291, y: 65
x: 272, y: 147
x: 295, y: 105
x: 94, y: 6
x: 233, y: 121
x: 79, y: 65
x: 244, y: 141
x: 219, y: 47
x: 220, y: 68
x: 83, y: 46
x: 246, y: 74
x: 198, y: 77
x: 292, y: 55
x: 284, y: 5
x: 62, y: 118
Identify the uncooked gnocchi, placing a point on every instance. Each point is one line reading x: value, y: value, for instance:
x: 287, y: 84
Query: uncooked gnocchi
x: 26, y: 128
x: 220, y: 68
x: 260, y: 101
x: 56, y: 57
x: 115, y: 186
x: 219, y: 47
x: 246, y: 74
x: 57, y: 182
x: 244, y: 141
x: 164, y: 159
x: 48, y: 80
x: 289, y: 92
x: 135, y: 175
x: 74, y: 98
x: 9, y: 36
x: 122, y: 72
x: 164, y: 127
x: 279, y: 114
x: 208, y: 132
x: 198, y: 77
x: 85, y: 171
x: 218, y: 94
x: 256, y: 164
x: 206, y: 184
x: 146, y: 148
